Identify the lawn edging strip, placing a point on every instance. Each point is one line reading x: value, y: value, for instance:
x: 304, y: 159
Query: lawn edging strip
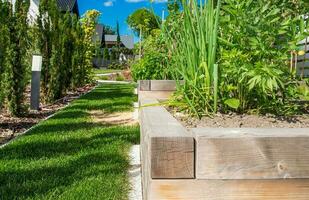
x: 48, y: 117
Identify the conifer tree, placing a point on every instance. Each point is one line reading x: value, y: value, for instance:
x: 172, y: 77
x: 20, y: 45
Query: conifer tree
x: 4, y: 42
x: 89, y: 22
x: 118, y: 41
x: 78, y: 58
x: 54, y: 86
x: 106, y: 54
x: 67, y: 43
x: 44, y: 43
x: 67, y: 49
x: 118, y: 36
x: 18, y: 63
x: 103, y: 42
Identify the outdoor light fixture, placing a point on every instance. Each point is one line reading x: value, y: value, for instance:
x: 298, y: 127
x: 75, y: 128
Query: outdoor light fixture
x: 36, y: 63
x: 35, y: 82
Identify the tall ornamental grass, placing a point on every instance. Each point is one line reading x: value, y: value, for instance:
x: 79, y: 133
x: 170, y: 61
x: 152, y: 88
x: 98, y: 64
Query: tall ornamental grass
x: 192, y: 50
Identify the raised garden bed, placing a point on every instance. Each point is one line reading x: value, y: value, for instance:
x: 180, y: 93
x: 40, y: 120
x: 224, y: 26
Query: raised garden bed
x: 180, y: 162
x: 116, y: 75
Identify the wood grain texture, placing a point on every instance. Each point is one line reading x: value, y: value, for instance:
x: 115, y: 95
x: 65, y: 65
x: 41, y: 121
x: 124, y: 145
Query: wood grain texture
x: 163, y: 85
x: 159, y: 95
x: 145, y: 161
x: 144, y: 85
x: 172, y: 157
x: 293, y: 189
x: 252, y: 153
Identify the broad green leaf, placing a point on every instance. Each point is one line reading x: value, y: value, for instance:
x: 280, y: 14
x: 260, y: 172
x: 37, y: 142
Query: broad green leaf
x: 233, y: 103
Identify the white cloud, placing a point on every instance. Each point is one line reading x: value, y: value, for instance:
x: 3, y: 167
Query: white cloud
x: 135, y: 1
x: 138, y: 1
x: 109, y: 3
x: 160, y: 1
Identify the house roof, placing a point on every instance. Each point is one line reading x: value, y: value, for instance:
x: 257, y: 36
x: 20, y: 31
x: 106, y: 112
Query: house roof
x: 127, y: 40
x: 68, y: 5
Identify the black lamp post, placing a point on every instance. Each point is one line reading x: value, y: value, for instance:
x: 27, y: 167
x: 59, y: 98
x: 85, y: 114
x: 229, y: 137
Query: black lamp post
x: 35, y: 82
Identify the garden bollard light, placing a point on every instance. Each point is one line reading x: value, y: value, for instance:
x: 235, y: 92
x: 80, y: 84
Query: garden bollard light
x: 35, y: 82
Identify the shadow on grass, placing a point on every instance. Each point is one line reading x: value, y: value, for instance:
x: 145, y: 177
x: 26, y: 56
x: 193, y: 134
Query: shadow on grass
x: 92, y: 136
x: 69, y: 156
x: 30, y: 183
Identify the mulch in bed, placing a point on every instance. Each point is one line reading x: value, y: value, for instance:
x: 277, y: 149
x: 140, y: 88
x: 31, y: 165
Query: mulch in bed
x: 11, y: 127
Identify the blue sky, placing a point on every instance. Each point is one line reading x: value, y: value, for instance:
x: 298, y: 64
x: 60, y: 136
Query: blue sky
x: 113, y: 10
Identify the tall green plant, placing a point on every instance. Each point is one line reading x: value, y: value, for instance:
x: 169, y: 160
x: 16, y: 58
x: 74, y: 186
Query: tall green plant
x: 106, y: 55
x: 154, y: 62
x: 193, y: 53
x: 54, y: 91
x: 18, y: 63
x: 67, y: 48
x: 78, y: 58
x: 256, y: 38
x: 5, y: 15
x: 118, y: 35
x: 44, y: 42
x: 89, y: 22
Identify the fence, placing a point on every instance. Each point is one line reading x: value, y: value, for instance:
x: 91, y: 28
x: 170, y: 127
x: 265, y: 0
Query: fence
x: 101, y: 62
x: 302, y: 68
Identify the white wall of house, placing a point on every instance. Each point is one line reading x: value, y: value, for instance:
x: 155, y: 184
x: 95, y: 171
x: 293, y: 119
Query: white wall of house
x: 33, y: 10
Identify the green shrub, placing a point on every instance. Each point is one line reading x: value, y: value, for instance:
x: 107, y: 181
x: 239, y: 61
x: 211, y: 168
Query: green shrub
x: 4, y: 41
x: 119, y: 77
x: 118, y: 65
x: 67, y: 48
x: 307, y: 81
x: 104, y: 78
x: 150, y: 67
x: 193, y: 55
x: 106, y: 55
x: 154, y: 62
x: 18, y: 65
x: 256, y: 40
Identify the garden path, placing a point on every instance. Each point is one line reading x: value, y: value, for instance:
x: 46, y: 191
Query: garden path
x: 70, y: 155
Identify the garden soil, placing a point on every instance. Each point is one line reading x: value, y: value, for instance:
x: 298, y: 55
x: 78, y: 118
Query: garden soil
x: 233, y: 120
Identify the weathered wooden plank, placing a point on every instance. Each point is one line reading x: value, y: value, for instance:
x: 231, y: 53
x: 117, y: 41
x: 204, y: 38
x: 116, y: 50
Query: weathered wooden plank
x: 144, y: 85
x: 163, y: 85
x: 145, y: 161
x: 169, y: 148
x: 252, y: 153
x: 292, y: 189
x: 159, y: 95
x: 172, y: 157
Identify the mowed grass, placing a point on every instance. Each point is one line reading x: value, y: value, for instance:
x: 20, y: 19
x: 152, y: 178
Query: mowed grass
x: 71, y: 157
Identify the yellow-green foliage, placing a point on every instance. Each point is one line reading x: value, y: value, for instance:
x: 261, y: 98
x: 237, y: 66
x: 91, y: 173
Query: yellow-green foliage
x: 67, y: 47
x: 89, y: 22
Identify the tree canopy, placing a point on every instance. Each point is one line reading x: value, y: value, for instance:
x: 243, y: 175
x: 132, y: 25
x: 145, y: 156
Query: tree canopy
x: 145, y: 20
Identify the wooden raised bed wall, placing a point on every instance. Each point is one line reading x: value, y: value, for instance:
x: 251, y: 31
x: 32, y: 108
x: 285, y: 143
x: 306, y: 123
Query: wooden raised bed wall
x: 217, y: 163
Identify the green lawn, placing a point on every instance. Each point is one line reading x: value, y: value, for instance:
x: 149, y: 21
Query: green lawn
x: 106, y: 71
x: 71, y: 157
